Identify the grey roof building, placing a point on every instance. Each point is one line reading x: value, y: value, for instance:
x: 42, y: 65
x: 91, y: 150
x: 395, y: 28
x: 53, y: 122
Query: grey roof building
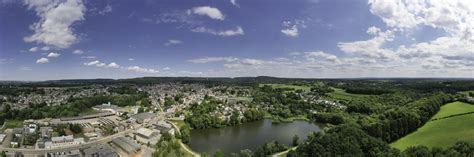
x: 126, y: 144
x: 102, y: 150
x: 143, y: 117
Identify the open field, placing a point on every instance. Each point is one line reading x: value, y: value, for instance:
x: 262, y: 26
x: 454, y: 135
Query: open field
x: 294, y: 87
x: 13, y: 124
x: 341, y: 94
x: 467, y: 92
x: 453, y: 109
x: 87, y: 112
x: 444, y: 132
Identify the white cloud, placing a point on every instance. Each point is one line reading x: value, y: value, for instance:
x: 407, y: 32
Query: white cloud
x: 106, y: 10
x: 213, y: 59
x: 42, y: 60
x: 92, y: 63
x: 252, y: 62
x: 320, y: 55
x: 131, y: 59
x: 370, y: 48
x: 166, y: 68
x: 291, y: 32
x: 173, y: 42
x: 142, y: 70
x: 224, y: 33
x: 45, y: 48
x: 33, y: 49
x: 234, y: 2
x: 453, y: 16
x: 53, y: 55
x: 97, y: 63
x: 291, y: 29
x: 113, y: 65
x: 211, y: 12
x: 78, y: 52
x: 56, y: 18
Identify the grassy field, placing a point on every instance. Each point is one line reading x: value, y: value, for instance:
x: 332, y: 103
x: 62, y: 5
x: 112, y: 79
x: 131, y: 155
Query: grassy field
x: 467, y: 92
x: 453, y: 109
x: 13, y: 124
x: 341, y: 94
x: 294, y: 87
x: 87, y: 112
x: 444, y: 132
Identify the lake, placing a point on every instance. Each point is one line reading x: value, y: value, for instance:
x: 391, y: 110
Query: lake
x: 249, y: 135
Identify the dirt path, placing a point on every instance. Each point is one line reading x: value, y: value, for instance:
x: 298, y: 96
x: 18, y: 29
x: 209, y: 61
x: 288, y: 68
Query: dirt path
x: 185, y: 147
x: 283, y: 153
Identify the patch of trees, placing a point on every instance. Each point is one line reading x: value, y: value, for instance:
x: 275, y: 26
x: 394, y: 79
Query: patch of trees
x: 461, y: 148
x: 331, y: 118
x: 342, y: 140
x: 398, y: 122
x: 16, y: 91
x: 369, y: 90
x: 270, y: 148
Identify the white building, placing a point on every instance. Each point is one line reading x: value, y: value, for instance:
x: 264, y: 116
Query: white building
x: 147, y: 136
x: 62, y: 141
x: 2, y: 137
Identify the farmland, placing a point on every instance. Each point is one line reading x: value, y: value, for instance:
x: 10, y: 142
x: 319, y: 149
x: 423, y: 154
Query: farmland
x: 443, y: 132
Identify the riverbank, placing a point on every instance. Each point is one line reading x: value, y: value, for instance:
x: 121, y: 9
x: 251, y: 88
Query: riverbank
x: 277, y: 119
x: 184, y: 147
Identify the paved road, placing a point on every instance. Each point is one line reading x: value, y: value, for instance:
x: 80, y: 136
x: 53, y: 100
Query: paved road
x: 67, y: 148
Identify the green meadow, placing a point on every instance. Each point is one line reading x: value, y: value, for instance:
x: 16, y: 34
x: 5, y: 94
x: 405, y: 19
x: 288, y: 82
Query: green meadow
x: 443, y: 132
x: 341, y: 94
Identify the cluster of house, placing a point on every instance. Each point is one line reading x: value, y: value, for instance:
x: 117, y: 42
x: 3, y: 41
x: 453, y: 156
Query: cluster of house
x: 51, y: 96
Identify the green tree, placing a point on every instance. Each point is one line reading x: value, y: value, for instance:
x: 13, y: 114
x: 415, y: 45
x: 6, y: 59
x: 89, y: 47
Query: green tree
x: 295, y: 140
x: 219, y: 153
x: 185, y: 133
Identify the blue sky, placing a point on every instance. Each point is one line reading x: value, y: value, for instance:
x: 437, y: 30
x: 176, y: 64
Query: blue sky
x: 68, y: 39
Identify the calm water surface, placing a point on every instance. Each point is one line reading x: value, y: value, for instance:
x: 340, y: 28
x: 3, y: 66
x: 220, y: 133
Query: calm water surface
x: 249, y: 135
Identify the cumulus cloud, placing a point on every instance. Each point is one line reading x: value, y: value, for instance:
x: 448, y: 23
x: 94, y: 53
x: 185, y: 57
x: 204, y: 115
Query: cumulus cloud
x: 42, y: 60
x: 320, y: 55
x: 53, y: 55
x: 211, y: 12
x: 56, y: 18
x: 131, y: 59
x: 173, y: 42
x: 291, y: 32
x: 33, y: 49
x: 45, y: 48
x: 291, y: 28
x: 97, y: 63
x: 113, y: 65
x: 224, y: 33
x: 142, y: 70
x: 213, y: 59
x: 78, y: 52
x: 252, y: 61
